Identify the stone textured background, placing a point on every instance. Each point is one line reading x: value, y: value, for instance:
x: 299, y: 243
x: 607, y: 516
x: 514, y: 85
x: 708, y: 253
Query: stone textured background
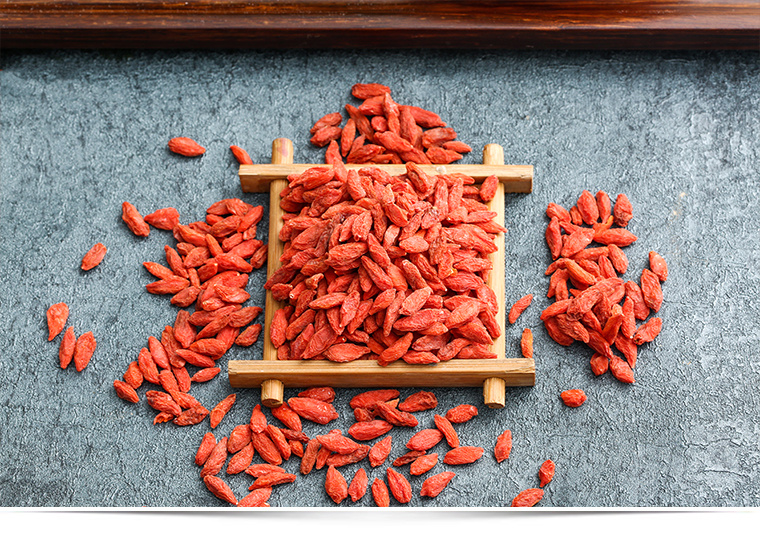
x: 678, y: 132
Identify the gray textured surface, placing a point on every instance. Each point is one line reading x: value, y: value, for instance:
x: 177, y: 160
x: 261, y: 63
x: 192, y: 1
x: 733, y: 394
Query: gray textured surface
x: 678, y: 132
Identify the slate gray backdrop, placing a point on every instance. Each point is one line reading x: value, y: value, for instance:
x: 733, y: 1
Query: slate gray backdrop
x: 678, y: 132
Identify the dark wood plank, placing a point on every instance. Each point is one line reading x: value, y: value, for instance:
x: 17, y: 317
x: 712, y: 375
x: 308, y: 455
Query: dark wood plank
x: 688, y: 24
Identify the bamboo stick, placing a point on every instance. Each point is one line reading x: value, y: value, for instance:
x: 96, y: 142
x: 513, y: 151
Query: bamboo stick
x: 515, y: 178
x: 272, y: 392
x: 494, y: 391
x: 368, y: 373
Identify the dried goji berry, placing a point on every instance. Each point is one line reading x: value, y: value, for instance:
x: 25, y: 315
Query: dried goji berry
x: 526, y: 343
x: 256, y: 498
x: 599, y: 364
x: 126, y: 392
x: 658, y: 266
x: 424, y: 439
x: 241, y: 155
x: 358, y: 486
x: 503, y: 446
x: 134, y: 220
x: 272, y: 479
x: 335, y: 485
x: 623, y: 210
x: 338, y: 443
x: 528, y: 498
x: 423, y: 464
x: 207, y: 445
x: 651, y: 290
x: 369, y: 430
x: 621, y: 370
x: 434, y: 485
x: 461, y: 413
x: 588, y: 207
x: 186, y: 147
x: 370, y: 398
x: 380, y: 493
x: 463, y: 455
x: 66, y: 350
x: 519, y: 307
x: 408, y: 457
x: 260, y: 469
x: 313, y: 410
x: 546, y: 472
x: 399, y: 486
x: 94, y: 256
x: 287, y: 416
x: 57, y: 315
x: 648, y: 331
x: 266, y: 448
x: 380, y: 452
x: 221, y: 409
x: 216, y: 459
x: 83, y: 350
x: 573, y: 398
x: 220, y: 489
x: 310, y: 456
x: 419, y: 401
x: 163, y: 219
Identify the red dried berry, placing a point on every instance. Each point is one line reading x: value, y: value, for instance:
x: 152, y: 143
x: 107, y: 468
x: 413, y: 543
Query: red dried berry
x: 435, y: 484
x: 186, y: 147
x: 573, y: 398
x: 503, y: 446
x: 57, y: 315
x: 546, y: 472
x: 528, y: 498
x: 94, y: 256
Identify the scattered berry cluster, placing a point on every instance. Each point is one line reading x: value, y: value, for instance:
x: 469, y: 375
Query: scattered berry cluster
x: 377, y: 412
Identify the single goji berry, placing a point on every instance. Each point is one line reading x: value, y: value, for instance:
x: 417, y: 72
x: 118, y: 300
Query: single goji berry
x: 94, y: 256
x: 434, y: 485
x: 380, y: 493
x: 221, y: 409
x: 463, y: 455
x: 83, y: 350
x: 66, y: 350
x: 423, y: 464
x: 503, y: 446
x: 546, y: 472
x: 57, y: 315
x: 573, y: 398
x: 335, y: 485
x: 186, y: 147
x: 399, y: 486
x: 528, y: 498
x: 461, y: 413
x: 220, y: 489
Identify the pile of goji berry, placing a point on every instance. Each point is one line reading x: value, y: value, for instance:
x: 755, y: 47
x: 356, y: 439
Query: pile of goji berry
x: 382, y: 131
x: 386, y: 268
x: 208, y: 269
x: 589, y: 311
x: 79, y: 350
x: 374, y: 267
x: 376, y: 412
x: 438, y: 249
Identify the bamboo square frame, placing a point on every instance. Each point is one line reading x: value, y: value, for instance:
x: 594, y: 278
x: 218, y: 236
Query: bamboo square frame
x: 272, y: 374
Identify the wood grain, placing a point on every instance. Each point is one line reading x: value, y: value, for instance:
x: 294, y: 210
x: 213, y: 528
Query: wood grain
x: 515, y: 178
x: 493, y: 387
x: 225, y: 24
x: 282, y: 152
x: 367, y: 373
